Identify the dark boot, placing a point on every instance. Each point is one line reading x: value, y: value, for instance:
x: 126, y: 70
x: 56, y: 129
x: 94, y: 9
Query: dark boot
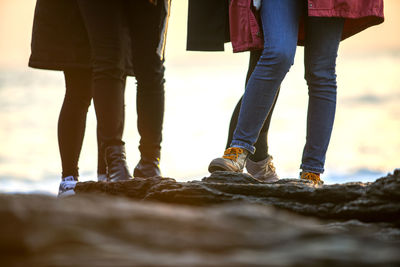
x: 116, y: 163
x: 147, y: 167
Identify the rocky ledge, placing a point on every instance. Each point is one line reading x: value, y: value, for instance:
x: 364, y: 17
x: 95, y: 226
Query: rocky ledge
x: 366, y: 202
x: 223, y: 220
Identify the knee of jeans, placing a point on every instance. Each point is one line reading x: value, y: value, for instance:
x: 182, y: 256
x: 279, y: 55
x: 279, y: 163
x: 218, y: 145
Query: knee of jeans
x: 152, y: 81
x: 277, y: 56
x: 322, y: 86
x: 151, y: 87
x: 321, y: 77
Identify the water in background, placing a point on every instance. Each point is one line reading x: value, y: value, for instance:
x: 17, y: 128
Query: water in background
x: 200, y: 98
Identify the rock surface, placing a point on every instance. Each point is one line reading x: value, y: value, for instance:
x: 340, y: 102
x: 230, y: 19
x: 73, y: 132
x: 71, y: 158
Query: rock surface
x: 367, y: 202
x: 223, y: 220
x: 93, y: 230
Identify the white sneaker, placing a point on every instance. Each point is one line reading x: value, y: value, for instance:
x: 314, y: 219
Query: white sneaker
x: 101, y: 177
x: 262, y: 170
x: 67, y: 187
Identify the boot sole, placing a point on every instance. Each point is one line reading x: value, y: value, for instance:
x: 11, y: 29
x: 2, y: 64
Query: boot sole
x: 217, y: 165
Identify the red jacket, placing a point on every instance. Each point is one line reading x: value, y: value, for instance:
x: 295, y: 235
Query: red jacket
x: 246, y: 33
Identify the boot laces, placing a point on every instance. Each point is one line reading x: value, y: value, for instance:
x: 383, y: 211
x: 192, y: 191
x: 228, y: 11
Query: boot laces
x: 270, y: 165
x: 311, y: 176
x: 232, y: 153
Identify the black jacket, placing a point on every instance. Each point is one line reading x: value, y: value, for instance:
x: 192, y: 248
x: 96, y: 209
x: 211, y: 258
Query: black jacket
x: 60, y: 40
x: 208, y: 25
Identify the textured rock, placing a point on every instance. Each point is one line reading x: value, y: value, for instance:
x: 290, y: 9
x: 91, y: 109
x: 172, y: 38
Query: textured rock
x: 101, y: 230
x: 368, y: 202
x: 224, y: 220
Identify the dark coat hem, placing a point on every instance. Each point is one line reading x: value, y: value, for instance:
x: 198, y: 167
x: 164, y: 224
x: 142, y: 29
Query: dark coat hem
x: 205, y: 46
x: 61, y: 66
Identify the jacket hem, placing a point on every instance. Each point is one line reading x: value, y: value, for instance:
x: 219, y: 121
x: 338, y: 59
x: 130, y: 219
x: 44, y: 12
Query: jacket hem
x: 61, y: 66
x: 343, y: 14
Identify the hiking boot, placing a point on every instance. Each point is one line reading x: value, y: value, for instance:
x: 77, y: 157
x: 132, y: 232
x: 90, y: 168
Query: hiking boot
x: 147, y: 167
x: 67, y: 186
x: 116, y: 163
x: 233, y: 160
x: 314, y: 177
x: 263, y: 170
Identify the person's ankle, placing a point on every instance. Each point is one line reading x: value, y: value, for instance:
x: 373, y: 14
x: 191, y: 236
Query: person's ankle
x: 70, y: 178
x: 102, y: 177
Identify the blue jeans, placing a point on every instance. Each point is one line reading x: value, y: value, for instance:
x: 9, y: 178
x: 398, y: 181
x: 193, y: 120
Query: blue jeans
x: 280, y: 21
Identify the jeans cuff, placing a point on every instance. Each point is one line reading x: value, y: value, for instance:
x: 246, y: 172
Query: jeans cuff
x: 306, y: 168
x: 243, y: 145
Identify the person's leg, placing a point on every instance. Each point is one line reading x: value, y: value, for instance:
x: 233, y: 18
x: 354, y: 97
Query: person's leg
x: 149, y: 73
x: 253, y: 59
x: 101, y: 163
x: 72, y: 124
x: 259, y: 164
x: 72, y: 119
x: 261, y: 144
x: 104, y: 24
x: 321, y: 46
x: 280, y: 20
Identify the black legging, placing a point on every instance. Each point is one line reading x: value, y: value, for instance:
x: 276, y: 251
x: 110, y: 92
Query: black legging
x: 72, y: 121
x: 262, y: 141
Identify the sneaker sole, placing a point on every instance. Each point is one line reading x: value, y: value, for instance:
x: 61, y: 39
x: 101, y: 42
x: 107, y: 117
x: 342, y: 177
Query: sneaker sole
x: 217, y: 165
x: 268, y: 181
x: 214, y: 168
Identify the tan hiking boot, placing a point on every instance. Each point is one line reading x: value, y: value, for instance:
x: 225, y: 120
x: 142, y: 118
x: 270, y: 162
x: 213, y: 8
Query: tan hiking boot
x: 233, y: 160
x: 314, y: 177
x: 263, y: 170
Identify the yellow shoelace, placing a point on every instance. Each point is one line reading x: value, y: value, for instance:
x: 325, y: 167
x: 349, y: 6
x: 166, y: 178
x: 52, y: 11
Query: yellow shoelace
x: 271, y: 166
x: 311, y: 176
x: 232, y: 153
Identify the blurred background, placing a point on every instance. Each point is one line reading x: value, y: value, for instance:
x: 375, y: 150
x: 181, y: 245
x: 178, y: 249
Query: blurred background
x: 202, y: 89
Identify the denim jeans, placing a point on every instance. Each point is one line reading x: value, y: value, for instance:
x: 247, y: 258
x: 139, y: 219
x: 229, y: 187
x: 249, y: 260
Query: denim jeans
x: 261, y: 144
x: 280, y: 22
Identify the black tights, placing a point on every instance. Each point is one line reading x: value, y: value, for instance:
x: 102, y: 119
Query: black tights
x: 262, y: 141
x: 72, y: 121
